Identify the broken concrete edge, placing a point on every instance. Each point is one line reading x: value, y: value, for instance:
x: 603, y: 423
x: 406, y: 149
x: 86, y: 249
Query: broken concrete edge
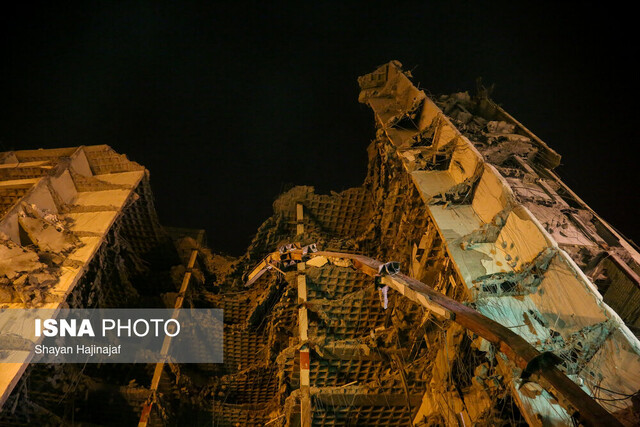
x: 632, y: 340
x: 553, y: 159
x: 632, y: 250
x: 374, y: 83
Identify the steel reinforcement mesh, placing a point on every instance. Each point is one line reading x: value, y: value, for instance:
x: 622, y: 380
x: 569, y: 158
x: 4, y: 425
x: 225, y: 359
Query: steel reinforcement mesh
x: 378, y: 415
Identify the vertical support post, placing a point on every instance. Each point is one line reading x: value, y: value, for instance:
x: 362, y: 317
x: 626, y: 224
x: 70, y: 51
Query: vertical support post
x: 157, y: 372
x: 305, y: 361
x: 299, y: 218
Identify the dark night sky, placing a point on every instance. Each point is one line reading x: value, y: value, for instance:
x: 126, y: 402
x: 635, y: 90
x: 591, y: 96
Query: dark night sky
x: 228, y: 104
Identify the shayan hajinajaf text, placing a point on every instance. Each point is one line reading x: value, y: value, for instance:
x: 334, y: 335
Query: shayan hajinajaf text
x: 87, y: 350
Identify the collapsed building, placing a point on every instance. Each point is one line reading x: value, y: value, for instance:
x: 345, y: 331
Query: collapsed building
x: 77, y: 226
x: 515, y: 302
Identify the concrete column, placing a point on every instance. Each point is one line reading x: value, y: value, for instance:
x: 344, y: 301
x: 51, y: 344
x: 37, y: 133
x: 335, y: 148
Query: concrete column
x: 305, y: 361
x: 299, y: 218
